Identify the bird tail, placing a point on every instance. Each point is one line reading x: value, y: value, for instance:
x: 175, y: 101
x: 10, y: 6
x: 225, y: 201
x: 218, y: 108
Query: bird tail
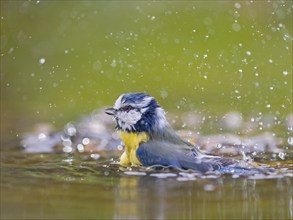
x: 244, y: 170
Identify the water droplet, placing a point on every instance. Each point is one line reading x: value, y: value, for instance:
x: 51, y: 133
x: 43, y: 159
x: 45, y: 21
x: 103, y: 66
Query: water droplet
x: 232, y: 120
x: 68, y: 160
x: 236, y: 27
x: 10, y: 50
x: 285, y: 73
x: 67, y: 149
x: 85, y: 141
x: 42, y: 136
x: 120, y: 147
x: 113, y: 64
x: 70, y: 129
x: 248, y: 53
x: 66, y: 141
x: 290, y: 140
x: 164, y: 94
x: 237, y: 5
x: 282, y: 155
x: 80, y: 148
x: 42, y: 61
x: 95, y: 156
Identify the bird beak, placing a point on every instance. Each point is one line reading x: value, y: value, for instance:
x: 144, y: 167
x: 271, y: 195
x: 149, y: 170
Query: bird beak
x: 110, y: 111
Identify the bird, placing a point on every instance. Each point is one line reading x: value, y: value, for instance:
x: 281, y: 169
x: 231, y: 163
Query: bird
x: 149, y: 140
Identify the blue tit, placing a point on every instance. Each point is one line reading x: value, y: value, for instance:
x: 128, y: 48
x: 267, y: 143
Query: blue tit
x: 150, y: 140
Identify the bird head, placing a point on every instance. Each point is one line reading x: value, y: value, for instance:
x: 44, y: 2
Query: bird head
x: 137, y: 112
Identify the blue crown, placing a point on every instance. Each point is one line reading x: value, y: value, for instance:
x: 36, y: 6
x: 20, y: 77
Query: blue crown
x: 138, y: 97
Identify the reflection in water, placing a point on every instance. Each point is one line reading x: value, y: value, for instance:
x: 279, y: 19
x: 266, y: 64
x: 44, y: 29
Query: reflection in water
x: 148, y: 197
x: 53, y: 186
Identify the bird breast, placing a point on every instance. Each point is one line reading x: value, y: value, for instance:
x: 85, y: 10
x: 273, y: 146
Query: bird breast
x: 131, y: 140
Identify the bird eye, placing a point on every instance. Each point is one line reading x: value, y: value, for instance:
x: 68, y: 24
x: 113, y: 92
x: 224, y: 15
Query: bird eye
x: 126, y: 108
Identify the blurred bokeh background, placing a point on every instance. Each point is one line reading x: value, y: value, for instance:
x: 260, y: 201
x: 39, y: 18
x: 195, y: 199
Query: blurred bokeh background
x: 221, y: 69
x: 62, y: 59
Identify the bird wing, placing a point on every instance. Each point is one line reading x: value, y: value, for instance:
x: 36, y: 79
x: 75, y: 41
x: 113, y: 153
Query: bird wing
x: 158, y: 152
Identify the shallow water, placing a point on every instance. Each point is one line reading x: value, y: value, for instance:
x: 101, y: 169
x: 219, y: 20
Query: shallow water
x: 221, y: 69
x: 67, y: 181
x: 58, y: 186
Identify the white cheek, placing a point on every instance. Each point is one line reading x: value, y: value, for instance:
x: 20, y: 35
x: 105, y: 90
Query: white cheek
x: 132, y: 117
x: 128, y: 119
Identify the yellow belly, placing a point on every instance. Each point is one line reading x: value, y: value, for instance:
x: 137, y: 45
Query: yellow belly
x: 131, y: 142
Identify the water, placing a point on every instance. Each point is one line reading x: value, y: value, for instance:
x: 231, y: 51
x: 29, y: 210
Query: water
x: 222, y: 71
x: 42, y: 179
x: 59, y: 186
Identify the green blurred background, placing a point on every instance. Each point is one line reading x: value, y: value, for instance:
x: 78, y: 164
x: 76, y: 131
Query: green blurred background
x: 62, y: 59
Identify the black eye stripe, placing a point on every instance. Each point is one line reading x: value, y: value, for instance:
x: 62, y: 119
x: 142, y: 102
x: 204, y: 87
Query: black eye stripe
x: 126, y: 108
